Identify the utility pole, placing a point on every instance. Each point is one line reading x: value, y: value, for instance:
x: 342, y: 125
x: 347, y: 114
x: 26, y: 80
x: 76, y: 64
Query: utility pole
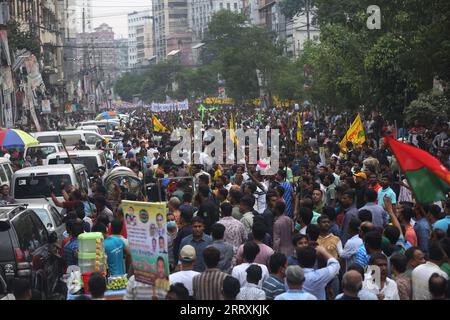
x: 307, y: 20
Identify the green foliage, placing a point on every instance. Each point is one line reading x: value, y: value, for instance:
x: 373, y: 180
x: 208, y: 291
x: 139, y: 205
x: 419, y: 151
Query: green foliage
x: 290, y: 8
x: 381, y: 69
x: 239, y: 51
x: 19, y: 40
x: 428, y: 108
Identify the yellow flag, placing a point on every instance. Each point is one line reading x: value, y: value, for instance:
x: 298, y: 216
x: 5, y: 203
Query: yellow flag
x: 232, y: 133
x: 355, y: 134
x: 157, y: 126
x: 299, y: 129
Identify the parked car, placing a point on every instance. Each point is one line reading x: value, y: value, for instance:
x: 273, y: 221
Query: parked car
x: 50, y: 217
x: 91, y: 159
x: 71, y: 137
x: 6, y: 171
x: 42, y: 150
x: 22, y: 234
x: 32, y: 184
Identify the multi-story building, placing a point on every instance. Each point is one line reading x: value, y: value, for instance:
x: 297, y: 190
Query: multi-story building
x: 81, y: 15
x: 173, y: 35
x: 96, y: 52
x: 140, y: 37
x: 121, y: 48
x: 295, y: 32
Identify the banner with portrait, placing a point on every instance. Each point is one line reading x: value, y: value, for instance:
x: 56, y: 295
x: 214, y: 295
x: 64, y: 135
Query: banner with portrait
x: 147, y: 238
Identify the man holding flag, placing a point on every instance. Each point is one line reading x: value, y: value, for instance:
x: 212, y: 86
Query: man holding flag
x: 157, y: 125
x: 355, y: 134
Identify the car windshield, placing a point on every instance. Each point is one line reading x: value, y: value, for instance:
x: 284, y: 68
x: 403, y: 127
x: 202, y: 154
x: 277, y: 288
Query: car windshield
x: 44, y: 216
x: 89, y: 162
x: 40, y: 151
x: 35, y: 187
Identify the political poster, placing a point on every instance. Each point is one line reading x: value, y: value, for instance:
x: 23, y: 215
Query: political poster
x: 147, y: 238
x: 46, y: 108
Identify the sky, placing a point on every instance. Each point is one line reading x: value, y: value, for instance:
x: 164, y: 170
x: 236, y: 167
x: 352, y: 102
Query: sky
x: 114, y: 13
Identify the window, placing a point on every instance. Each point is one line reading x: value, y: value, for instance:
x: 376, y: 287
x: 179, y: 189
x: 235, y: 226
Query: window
x: 24, y: 229
x: 221, y: 5
x: 41, y: 151
x: 56, y: 217
x: 44, y: 216
x: 228, y: 6
x: 35, y: 187
x: 47, y: 139
x: 71, y: 139
x: 39, y: 230
x: 8, y: 171
x: 3, y: 176
x: 92, y: 138
x: 235, y: 6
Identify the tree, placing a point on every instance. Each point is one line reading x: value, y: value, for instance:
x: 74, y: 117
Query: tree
x: 240, y: 52
x: 428, y: 108
x: 18, y: 39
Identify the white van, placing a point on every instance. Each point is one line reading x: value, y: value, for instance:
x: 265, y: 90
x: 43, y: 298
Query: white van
x: 105, y: 126
x: 91, y: 159
x: 32, y: 184
x: 6, y: 171
x: 42, y: 150
x: 89, y: 127
x: 70, y: 137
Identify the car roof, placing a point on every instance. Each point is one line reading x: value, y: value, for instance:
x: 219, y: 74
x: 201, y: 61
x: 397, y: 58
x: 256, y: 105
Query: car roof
x: 6, y: 211
x: 45, y: 144
x: 76, y: 152
x: 55, y: 133
x: 54, y: 167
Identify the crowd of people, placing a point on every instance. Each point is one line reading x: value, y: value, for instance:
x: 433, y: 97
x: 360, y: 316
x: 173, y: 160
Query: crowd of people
x: 328, y: 225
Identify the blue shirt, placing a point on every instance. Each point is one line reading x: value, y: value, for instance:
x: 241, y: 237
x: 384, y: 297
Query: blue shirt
x: 287, y: 196
x: 362, y: 258
x: 295, y: 295
x: 199, y: 246
x: 69, y: 252
x: 292, y: 261
x: 317, y: 279
x: 386, y: 192
x: 114, y: 252
x: 442, y: 224
x: 423, y: 230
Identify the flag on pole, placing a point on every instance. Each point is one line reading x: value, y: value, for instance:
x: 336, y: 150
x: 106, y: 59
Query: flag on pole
x: 157, y: 126
x: 232, y: 133
x: 355, y: 134
x: 299, y: 129
x: 427, y: 176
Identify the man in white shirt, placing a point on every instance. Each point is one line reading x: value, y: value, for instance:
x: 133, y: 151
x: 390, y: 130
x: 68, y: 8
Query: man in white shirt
x: 381, y: 285
x: 251, y: 290
x: 251, y: 250
x: 185, y: 276
x: 421, y: 274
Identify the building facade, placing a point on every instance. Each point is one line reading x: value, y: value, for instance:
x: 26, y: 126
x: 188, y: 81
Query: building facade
x: 121, y: 48
x: 173, y: 35
x: 140, y: 38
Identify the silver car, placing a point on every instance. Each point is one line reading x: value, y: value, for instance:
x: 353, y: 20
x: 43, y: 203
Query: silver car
x: 50, y: 217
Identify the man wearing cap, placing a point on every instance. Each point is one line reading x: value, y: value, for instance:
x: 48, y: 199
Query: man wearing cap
x: 186, y: 274
x: 360, y: 179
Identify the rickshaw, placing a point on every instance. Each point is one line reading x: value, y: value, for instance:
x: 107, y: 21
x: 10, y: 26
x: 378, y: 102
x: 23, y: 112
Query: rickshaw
x: 122, y: 180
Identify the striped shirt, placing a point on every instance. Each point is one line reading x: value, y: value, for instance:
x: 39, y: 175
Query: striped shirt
x: 251, y: 291
x: 362, y: 258
x: 208, y: 285
x: 287, y: 196
x: 141, y: 291
x: 273, y: 287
